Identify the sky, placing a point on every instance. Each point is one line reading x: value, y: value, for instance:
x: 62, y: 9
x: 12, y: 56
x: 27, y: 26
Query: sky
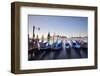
x: 60, y: 25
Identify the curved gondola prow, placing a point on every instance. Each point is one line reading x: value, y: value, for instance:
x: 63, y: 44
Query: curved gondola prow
x: 57, y: 46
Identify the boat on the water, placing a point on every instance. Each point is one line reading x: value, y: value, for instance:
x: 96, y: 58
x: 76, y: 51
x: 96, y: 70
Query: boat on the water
x: 84, y: 47
x: 76, y: 44
x: 57, y: 46
x: 77, y: 47
x: 45, y: 46
x: 68, y: 49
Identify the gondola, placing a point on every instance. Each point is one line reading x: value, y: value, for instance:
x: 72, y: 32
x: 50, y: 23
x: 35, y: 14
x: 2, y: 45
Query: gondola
x: 68, y: 49
x: 67, y: 45
x: 84, y: 47
x: 45, y: 46
x: 45, y: 49
x: 57, y: 46
x: 77, y: 47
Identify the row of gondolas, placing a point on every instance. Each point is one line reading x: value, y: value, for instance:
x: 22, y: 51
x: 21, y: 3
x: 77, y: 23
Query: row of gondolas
x: 58, y: 46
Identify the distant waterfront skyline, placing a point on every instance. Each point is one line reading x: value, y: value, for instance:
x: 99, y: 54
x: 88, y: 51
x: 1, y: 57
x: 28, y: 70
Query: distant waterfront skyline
x: 60, y: 25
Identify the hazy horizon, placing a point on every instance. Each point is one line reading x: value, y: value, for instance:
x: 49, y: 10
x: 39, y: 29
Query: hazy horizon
x: 60, y: 25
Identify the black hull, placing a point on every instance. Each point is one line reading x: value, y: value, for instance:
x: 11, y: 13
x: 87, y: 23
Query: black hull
x: 68, y: 52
